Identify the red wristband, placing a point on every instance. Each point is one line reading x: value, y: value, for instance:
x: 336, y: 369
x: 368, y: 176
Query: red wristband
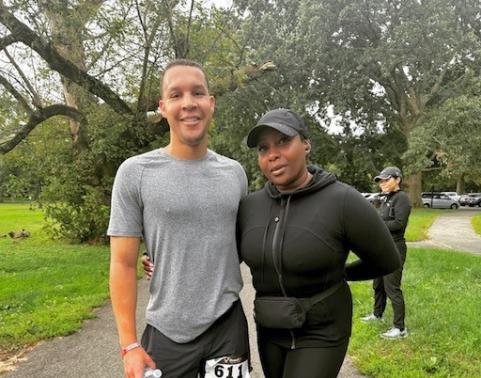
x: 128, y: 348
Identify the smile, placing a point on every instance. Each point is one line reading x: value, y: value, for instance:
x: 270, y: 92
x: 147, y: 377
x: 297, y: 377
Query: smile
x: 276, y: 171
x: 190, y: 119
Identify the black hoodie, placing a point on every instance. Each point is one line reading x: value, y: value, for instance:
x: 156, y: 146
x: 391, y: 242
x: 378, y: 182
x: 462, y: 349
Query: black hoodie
x: 311, y: 232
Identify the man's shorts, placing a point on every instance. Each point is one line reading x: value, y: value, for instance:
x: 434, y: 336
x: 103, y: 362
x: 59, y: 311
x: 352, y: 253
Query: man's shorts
x: 221, y: 351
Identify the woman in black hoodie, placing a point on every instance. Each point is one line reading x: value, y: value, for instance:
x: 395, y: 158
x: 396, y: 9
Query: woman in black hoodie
x: 295, y: 235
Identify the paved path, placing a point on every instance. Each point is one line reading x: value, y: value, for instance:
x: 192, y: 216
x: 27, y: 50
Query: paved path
x: 92, y: 352
x: 453, y: 230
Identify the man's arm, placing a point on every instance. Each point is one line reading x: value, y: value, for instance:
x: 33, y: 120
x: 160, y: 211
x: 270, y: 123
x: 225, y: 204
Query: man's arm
x: 123, y: 293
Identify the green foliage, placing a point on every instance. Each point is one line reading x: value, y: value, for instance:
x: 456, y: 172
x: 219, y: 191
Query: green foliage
x: 442, y: 293
x: 77, y: 199
x: 26, y: 170
x: 72, y: 187
x: 450, y: 140
x: 379, y: 70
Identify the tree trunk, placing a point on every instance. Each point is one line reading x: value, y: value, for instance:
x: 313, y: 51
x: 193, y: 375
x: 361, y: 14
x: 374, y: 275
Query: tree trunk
x: 413, y: 183
x: 460, y: 187
x: 78, y: 131
x: 67, y: 29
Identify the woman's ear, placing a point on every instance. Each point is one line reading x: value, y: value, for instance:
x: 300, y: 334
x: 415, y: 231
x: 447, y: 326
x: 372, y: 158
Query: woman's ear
x: 307, y: 146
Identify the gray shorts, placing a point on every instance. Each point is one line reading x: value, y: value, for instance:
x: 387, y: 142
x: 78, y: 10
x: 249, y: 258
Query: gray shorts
x: 226, y: 340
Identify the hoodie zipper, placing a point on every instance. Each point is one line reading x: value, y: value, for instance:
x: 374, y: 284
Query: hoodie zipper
x: 275, y: 243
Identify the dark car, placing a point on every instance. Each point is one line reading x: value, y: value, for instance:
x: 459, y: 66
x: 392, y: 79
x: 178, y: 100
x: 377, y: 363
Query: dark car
x: 470, y: 199
x: 373, y: 198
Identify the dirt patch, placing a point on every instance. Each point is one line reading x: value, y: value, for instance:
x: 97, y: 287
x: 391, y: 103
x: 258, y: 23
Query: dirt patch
x: 9, y: 358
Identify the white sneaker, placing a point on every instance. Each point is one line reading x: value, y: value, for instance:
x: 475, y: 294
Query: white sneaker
x: 370, y: 318
x: 394, y: 333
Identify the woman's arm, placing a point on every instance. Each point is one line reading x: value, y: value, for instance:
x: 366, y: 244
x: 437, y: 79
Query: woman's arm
x: 368, y: 237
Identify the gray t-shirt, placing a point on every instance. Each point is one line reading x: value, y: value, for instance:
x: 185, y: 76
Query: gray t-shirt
x: 185, y: 210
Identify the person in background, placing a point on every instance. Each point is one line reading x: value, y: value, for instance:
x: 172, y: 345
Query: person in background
x: 394, y: 210
x: 182, y: 200
x: 295, y: 235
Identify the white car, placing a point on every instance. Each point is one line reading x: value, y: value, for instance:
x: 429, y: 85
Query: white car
x: 455, y: 196
x: 439, y: 201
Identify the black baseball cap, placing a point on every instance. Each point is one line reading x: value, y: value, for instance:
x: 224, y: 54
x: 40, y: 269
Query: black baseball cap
x: 283, y: 120
x: 387, y: 173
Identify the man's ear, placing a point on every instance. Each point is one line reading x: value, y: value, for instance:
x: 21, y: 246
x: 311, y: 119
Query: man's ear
x: 161, y: 107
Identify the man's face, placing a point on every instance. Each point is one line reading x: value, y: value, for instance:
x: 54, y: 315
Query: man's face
x: 186, y: 104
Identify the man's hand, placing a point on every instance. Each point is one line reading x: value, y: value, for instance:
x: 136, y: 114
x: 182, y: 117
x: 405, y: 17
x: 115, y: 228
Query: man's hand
x: 135, y: 362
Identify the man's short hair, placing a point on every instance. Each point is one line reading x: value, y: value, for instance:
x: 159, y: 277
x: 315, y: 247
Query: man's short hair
x: 182, y: 62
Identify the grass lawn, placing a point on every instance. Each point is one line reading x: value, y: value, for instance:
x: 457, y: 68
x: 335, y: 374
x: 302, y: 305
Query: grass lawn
x: 46, y: 287
x: 443, y: 297
x: 419, y: 222
x: 476, y: 222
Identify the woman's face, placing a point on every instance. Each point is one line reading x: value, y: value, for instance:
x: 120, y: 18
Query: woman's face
x: 390, y: 184
x: 282, y: 159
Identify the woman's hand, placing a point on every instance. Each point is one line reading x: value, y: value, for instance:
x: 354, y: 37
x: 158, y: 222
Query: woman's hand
x: 148, y: 266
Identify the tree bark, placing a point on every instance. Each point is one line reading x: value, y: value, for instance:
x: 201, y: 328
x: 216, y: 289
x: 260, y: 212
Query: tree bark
x: 67, y: 27
x: 414, y: 186
x: 460, y: 186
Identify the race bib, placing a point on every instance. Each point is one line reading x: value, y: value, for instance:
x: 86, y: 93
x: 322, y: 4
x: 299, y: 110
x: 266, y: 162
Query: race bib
x: 227, y: 367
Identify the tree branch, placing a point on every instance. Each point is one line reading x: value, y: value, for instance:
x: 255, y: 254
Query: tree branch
x: 189, y: 26
x: 63, y: 66
x: 37, y: 118
x: 35, y: 97
x: 148, y: 39
x: 172, y: 30
x: 11, y: 89
x: 7, y: 41
x: 437, y: 85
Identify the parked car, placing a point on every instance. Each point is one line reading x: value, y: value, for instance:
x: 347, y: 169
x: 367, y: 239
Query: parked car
x: 438, y: 200
x: 371, y: 197
x: 463, y: 200
x: 470, y: 199
x: 453, y: 195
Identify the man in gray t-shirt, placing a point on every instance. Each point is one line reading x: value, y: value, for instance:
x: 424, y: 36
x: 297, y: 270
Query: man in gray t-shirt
x: 182, y: 200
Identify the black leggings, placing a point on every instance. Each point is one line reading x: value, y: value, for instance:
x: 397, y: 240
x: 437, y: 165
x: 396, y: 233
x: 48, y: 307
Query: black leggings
x: 280, y: 362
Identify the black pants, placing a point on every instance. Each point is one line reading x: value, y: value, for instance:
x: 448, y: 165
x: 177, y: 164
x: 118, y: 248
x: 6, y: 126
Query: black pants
x: 281, y: 362
x: 227, y: 337
x: 389, y: 286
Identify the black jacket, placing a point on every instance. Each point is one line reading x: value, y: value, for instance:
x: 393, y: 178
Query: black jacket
x: 311, y: 232
x: 395, y: 209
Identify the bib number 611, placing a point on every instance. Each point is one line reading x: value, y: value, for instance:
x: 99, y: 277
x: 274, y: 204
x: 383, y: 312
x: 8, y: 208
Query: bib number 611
x: 219, y: 370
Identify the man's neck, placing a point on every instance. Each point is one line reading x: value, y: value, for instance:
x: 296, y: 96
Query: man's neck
x: 186, y: 152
